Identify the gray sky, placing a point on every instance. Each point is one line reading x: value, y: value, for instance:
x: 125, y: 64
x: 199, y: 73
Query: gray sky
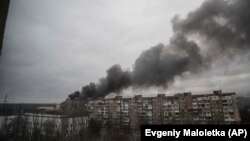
x: 53, y: 48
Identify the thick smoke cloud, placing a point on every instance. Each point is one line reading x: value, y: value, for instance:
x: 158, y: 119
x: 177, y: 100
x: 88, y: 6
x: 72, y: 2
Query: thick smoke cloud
x: 115, y: 81
x: 159, y: 65
x: 223, y: 26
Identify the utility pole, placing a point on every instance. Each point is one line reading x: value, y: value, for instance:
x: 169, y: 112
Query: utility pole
x: 5, y: 99
x: 5, y: 120
x: 5, y: 105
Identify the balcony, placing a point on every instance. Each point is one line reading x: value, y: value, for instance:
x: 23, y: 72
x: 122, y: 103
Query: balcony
x: 105, y: 116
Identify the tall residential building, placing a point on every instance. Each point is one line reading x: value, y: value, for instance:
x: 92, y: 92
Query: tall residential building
x: 184, y: 108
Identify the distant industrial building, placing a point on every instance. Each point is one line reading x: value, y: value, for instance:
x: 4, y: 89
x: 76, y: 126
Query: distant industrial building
x: 45, y: 109
x: 184, y: 108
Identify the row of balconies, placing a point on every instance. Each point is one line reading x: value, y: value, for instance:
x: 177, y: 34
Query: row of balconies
x: 147, y: 100
x: 171, y: 118
x: 227, y: 101
x: 104, y: 111
x: 105, y: 116
x: 202, y: 118
x: 225, y: 105
x: 126, y: 112
x: 171, y: 103
x: 229, y: 119
x: 226, y: 97
x: 201, y: 106
x: 228, y: 110
x: 150, y: 100
x: 228, y: 113
x: 148, y: 107
x: 168, y: 118
x: 171, y: 106
x: 205, y: 114
x: 215, y: 98
x: 204, y: 98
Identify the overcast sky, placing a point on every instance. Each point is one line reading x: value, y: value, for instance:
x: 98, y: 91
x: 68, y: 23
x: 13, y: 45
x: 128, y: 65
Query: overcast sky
x: 53, y: 48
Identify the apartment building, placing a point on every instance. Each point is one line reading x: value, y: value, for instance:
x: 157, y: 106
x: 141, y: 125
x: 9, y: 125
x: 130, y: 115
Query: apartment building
x: 183, y: 108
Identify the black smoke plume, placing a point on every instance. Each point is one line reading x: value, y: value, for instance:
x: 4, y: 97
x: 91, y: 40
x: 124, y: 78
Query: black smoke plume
x: 116, y: 80
x: 224, y: 24
x: 221, y: 25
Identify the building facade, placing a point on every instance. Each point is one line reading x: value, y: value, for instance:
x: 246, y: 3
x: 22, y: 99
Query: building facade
x: 184, y: 108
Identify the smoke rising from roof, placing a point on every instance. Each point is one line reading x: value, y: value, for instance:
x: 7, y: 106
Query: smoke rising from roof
x: 222, y: 25
x: 116, y: 80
